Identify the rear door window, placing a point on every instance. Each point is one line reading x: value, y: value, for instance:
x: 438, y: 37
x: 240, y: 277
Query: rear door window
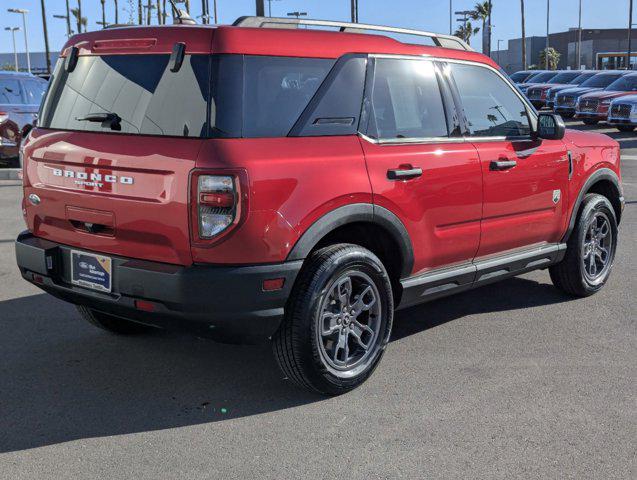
x: 148, y: 97
x: 490, y: 105
x: 406, y: 100
x: 10, y: 92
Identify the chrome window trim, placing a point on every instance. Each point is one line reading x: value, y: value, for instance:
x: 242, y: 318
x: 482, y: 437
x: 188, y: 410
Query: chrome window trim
x: 442, y: 140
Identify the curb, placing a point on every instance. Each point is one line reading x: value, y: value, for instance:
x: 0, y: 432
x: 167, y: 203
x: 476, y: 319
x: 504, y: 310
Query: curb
x: 10, y: 174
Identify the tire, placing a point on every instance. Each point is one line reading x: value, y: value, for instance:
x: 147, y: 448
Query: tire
x: 625, y: 128
x: 110, y: 323
x: 567, y: 115
x: 588, y: 121
x: 573, y: 274
x: 317, y: 335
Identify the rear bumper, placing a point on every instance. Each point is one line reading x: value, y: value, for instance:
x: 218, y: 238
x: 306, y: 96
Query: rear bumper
x: 224, y: 302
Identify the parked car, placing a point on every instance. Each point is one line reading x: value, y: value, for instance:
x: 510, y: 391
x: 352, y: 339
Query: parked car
x: 537, y: 93
x: 566, y: 100
x: 20, y: 97
x: 622, y: 113
x: 593, y: 107
x: 522, y: 76
x: 542, y: 76
x: 267, y: 183
x: 552, y: 92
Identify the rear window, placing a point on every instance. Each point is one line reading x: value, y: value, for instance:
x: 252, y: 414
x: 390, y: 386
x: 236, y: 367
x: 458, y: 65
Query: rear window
x: 227, y: 96
x: 10, y: 92
x: 34, y: 91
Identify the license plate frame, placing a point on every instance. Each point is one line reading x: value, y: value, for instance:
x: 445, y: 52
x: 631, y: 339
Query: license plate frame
x: 92, y: 271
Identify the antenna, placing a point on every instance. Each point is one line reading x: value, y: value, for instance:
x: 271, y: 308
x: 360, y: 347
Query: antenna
x: 180, y: 17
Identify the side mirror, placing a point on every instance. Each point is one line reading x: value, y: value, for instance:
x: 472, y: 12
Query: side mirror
x: 550, y: 126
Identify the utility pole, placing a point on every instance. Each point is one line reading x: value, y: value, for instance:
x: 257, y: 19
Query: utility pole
x: 450, y: 17
x: 205, y: 14
x: 15, y: 52
x: 499, y: 52
x: 524, y: 64
x: 46, y: 39
x: 24, y: 12
x: 488, y: 49
x: 579, y: 38
x: 116, y: 12
x: 260, y: 6
x: 68, y: 19
x: 630, y: 35
x: 140, y: 12
x: 354, y: 6
x: 103, y: 13
x: 546, y: 54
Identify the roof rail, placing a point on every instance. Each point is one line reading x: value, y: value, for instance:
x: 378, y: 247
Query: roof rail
x: 447, y: 41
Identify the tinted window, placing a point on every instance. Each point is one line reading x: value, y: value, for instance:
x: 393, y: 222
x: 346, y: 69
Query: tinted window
x: 10, y: 91
x: 564, y: 77
x: 491, y: 107
x: 149, y: 98
x: 627, y: 83
x: 518, y: 77
x: 601, y: 80
x: 277, y: 90
x: 406, y: 100
x: 581, y: 78
x: 34, y: 91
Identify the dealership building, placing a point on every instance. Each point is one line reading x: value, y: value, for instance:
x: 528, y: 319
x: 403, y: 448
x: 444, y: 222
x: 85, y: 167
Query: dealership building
x: 601, y: 49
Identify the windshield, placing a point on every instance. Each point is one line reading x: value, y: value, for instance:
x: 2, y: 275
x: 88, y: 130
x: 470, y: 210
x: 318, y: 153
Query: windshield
x: 627, y: 83
x: 518, y: 77
x: 542, y: 77
x: 582, y: 78
x: 601, y: 80
x: 564, y: 77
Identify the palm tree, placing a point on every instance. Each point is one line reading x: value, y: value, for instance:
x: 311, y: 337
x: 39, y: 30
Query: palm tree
x: 523, y: 37
x: 80, y: 21
x: 482, y: 11
x: 553, y: 58
x: 466, y: 31
x: 79, y: 16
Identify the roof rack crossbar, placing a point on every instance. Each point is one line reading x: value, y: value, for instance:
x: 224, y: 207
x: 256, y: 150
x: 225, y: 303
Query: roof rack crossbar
x: 440, y: 40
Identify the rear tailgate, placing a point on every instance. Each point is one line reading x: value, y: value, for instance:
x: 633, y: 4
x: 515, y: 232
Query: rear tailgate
x: 117, y: 194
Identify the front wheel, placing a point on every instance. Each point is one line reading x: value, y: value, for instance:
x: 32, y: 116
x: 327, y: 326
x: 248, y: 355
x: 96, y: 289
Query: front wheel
x: 337, y: 322
x: 590, y: 249
x: 625, y: 128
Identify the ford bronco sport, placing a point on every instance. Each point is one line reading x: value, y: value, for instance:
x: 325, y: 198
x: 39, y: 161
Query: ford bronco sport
x: 299, y: 185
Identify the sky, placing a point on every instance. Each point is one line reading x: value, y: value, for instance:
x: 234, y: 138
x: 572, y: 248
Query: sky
x: 431, y: 15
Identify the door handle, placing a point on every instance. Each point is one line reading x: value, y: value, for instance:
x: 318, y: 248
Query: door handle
x: 404, y: 174
x: 502, y: 164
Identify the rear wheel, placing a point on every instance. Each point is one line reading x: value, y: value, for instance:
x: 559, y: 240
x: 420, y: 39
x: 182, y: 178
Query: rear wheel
x: 338, y: 320
x: 590, y: 251
x: 111, y: 323
x: 589, y: 121
x: 625, y: 128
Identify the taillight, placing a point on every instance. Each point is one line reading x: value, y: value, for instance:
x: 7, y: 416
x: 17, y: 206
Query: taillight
x: 215, y: 203
x: 4, y: 116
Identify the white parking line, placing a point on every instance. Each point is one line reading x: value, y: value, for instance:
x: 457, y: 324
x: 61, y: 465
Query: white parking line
x: 629, y: 157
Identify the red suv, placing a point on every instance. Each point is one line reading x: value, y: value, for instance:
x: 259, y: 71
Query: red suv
x: 252, y: 182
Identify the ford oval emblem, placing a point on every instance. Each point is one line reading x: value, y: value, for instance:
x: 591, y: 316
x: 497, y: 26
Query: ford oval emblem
x: 34, y: 199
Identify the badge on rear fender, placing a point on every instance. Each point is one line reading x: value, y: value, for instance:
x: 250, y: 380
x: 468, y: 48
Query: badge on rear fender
x: 557, y: 194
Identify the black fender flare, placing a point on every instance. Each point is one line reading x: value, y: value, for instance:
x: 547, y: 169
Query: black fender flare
x: 601, y: 174
x: 357, y: 213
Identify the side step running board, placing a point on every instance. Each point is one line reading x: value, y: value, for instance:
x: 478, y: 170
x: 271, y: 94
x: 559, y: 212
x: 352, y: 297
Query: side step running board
x: 442, y: 282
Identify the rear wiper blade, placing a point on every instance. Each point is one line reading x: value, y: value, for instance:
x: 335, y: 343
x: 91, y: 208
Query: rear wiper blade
x: 108, y: 120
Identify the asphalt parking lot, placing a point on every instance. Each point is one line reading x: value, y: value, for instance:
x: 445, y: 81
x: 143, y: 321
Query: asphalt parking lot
x: 511, y: 380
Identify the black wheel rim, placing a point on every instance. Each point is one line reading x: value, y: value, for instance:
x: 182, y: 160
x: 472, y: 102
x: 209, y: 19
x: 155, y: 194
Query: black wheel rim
x: 349, y: 323
x: 597, y: 248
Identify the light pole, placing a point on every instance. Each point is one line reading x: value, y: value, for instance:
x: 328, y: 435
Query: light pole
x: 450, y: 17
x: 24, y: 12
x: 15, y: 52
x: 499, y: 52
x: 630, y: 35
x: 354, y: 5
x: 297, y: 14
x: 579, y: 38
x: 546, y: 52
x: 260, y: 8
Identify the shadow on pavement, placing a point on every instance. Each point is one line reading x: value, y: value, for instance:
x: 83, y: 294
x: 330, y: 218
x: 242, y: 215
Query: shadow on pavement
x: 63, y: 379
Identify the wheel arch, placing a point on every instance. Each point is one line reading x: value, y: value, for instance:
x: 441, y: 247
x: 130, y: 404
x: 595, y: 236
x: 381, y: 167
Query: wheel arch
x: 370, y: 226
x: 604, y: 182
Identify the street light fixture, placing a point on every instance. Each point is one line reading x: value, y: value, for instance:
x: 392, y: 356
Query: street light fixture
x: 546, y: 52
x: 23, y: 12
x: 15, y: 52
x: 69, y: 32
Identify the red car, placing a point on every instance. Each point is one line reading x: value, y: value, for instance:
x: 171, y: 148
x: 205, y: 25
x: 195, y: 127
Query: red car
x: 20, y: 97
x: 300, y: 185
x: 593, y: 107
